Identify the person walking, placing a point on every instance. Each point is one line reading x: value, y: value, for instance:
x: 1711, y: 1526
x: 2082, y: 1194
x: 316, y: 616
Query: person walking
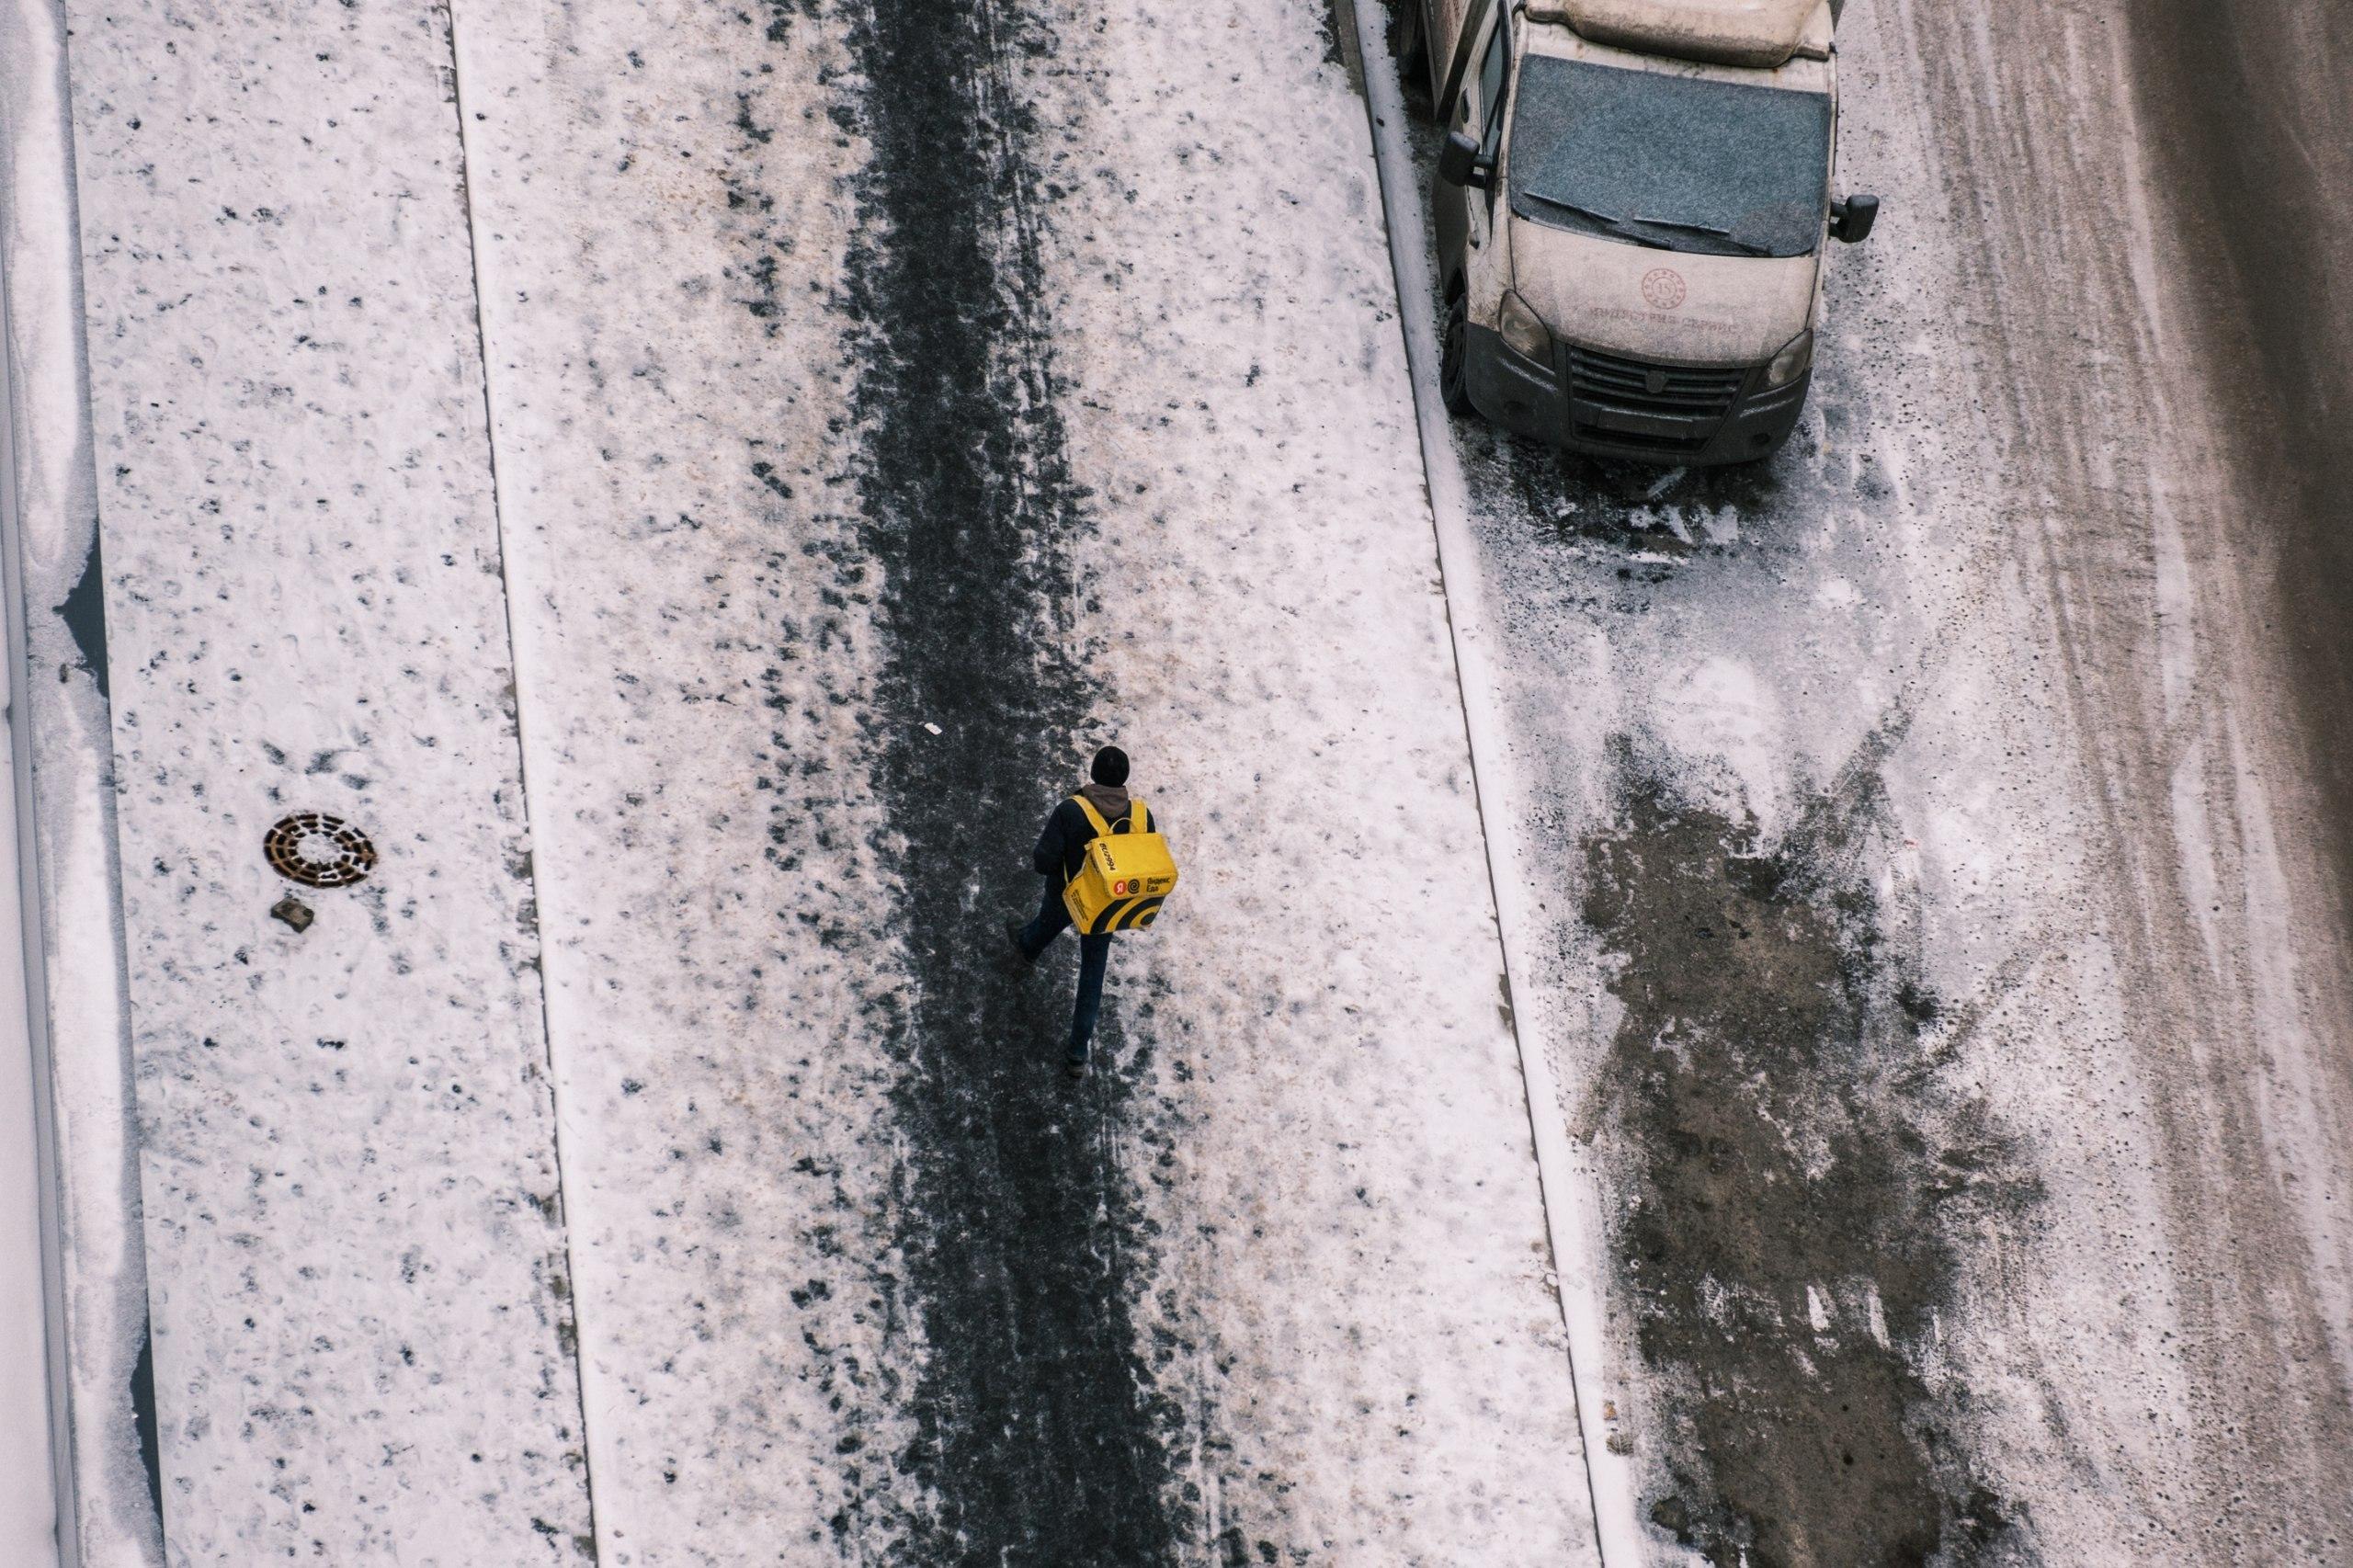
x: 1061, y: 850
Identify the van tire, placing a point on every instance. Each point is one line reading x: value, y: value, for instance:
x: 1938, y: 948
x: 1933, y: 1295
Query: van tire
x: 1454, y: 356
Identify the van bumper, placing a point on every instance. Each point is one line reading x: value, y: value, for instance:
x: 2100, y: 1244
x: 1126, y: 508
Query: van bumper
x: 1601, y: 405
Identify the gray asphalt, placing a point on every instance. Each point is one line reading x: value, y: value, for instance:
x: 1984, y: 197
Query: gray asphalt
x: 2251, y: 107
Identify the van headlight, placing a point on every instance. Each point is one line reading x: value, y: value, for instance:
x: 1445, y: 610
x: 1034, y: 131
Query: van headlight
x: 1522, y: 333
x: 1792, y: 361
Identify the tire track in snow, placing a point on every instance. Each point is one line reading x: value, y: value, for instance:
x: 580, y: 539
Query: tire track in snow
x: 2285, y: 368
x: 1039, y: 1429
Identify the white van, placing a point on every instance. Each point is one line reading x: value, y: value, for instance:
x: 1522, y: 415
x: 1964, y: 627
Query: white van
x: 1632, y: 205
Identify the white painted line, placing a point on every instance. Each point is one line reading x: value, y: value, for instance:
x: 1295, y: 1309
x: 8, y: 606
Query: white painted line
x: 1571, y: 1192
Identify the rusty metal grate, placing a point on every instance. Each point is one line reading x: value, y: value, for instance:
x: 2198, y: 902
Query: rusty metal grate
x: 319, y: 851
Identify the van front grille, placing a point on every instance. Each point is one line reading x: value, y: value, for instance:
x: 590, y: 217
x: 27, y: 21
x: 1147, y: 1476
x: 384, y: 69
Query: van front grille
x: 1628, y: 383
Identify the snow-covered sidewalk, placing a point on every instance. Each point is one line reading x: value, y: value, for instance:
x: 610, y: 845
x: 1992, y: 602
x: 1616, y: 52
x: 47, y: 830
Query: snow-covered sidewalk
x: 1306, y: 1202
x: 352, y: 1222
x: 827, y: 1224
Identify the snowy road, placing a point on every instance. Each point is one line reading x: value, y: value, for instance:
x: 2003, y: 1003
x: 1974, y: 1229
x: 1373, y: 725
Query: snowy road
x: 694, y: 485
x: 1949, y: 1017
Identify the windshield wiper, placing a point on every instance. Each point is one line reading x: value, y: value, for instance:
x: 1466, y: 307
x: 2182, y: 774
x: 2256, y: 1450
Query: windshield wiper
x: 1724, y: 235
x: 1602, y: 218
x: 1615, y: 225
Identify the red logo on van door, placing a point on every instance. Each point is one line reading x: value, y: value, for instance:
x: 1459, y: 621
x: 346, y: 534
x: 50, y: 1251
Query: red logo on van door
x: 1663, y: 287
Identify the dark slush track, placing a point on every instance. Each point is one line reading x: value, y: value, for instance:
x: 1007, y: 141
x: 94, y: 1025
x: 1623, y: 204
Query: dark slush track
x: 1040, y: 1438
x: 1789, y: 1145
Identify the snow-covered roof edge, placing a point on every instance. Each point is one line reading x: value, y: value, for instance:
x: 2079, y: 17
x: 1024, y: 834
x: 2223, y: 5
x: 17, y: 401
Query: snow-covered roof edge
x: 62, y: 765
x: 1720, y: 32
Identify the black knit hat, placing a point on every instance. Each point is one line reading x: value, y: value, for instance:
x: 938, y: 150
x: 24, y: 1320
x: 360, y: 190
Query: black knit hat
x: 1110, y: 767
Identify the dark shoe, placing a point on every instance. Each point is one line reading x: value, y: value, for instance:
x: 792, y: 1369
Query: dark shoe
x: 1075, y: 1071
x: 1013, y: 929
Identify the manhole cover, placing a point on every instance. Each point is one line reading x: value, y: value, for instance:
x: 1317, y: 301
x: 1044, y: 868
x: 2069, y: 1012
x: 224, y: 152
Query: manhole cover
x: 319, y: 851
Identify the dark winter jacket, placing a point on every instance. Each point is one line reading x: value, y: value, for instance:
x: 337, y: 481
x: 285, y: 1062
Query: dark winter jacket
x: 1061, y: 849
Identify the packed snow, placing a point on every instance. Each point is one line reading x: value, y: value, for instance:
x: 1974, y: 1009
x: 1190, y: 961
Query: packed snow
x: 352, y: 1222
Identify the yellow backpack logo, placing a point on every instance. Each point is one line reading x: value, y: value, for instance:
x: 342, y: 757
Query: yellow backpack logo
x: 1125, y: 876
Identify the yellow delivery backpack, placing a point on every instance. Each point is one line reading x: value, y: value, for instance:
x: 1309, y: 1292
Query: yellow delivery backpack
x: 1124, y: 877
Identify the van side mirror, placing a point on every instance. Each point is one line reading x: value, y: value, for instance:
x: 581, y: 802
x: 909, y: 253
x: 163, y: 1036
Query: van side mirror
x: 1851, y: 218
x: 1458, y: 162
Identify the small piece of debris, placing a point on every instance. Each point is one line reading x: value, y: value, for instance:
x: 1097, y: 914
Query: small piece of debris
x: 294, y: 912
x: 932, y: 727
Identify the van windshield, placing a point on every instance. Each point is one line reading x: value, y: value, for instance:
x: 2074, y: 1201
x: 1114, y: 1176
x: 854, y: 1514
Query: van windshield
x: 1679, y: 163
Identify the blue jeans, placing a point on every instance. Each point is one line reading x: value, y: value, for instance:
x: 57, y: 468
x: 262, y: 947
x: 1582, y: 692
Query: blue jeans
x: 1094, y: 953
